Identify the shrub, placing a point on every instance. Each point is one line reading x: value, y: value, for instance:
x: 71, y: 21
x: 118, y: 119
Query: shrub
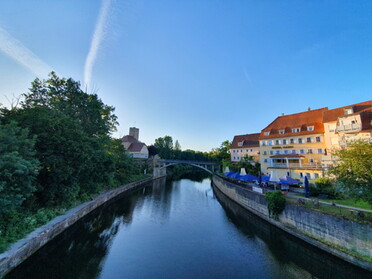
x: 276, y: 203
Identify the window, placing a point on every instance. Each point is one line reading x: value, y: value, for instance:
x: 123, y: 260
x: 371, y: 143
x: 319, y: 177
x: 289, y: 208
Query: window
x: 265, y: 160
x: 284, y: 141
x: 301, y: 175
x: 271, y: 152
x: 285, y: 151
x: 302, y: 151
x: 251, y: 150
x: 300, y: 140
x: 296, y: 130
x: 308, y: 139
x: 308, y: 175
x: 234, y: 151
x: 310, y: 128
x: 247, y: 150
x: 237, y: 158
x: 287, y: 173
x: 277, y: 142
x: 270, y: 142
x: 310, y: 151
x: 292, y: 141
x: 317, y: 139
x: 264, y: 153
x: 234, y: 157
x: 316, y: 175
x: 241, y: 150
x: 240, y: 143
x: 281, y: 132
x: 277, y: 152
x: 293, y: 151
x: 267, y: 133
x: 320, y: 151
x: 312, y: 161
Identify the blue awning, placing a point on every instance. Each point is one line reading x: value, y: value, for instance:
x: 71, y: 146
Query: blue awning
x: 248, y: 177
x: 289, y: 181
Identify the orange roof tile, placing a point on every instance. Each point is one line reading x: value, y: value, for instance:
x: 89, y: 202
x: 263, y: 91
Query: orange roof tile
x: 334, y: 114
x: 300, y: 120
x: 249, y: 140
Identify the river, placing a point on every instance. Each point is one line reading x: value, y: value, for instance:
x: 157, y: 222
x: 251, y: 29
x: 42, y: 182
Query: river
x: 179, y: 229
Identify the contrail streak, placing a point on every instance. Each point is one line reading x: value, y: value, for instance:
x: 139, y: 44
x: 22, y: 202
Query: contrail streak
x: 25, y: 57
x: 98, y: 36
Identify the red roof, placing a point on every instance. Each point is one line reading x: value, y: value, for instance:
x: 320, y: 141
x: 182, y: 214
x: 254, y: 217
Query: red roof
x: 136, y: 146
x: 300, y: 120
x: 249, y: 140
x: 334, y: 114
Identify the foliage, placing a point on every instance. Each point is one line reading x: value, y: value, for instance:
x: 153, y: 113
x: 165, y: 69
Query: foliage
x: 325, y: 186
x: 18, y: 166
x: 353, y: 170
x: 276, y: 203
x: 164, y: 147
x: 222, y: 153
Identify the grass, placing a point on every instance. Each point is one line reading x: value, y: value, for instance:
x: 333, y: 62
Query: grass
x: 346, y: 213
x: 347, y: 202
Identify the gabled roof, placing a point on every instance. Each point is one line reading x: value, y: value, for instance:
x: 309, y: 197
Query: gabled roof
x: 130, y: 139
x: 136, y: 146
x: 300, y: 120
x: 333, y: 114
x: 249, y: 140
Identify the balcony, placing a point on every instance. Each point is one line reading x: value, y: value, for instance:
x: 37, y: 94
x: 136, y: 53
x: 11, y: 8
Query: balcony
x: 314, y: 166
x: 349, y: 128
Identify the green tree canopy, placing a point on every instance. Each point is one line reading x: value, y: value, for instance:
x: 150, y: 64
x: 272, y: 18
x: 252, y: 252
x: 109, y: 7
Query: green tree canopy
x: 18, y: 166
x: 353, y: 169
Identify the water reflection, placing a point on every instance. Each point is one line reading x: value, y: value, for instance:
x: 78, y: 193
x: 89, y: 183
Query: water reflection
x: 293, y: 258
x: 178, y: 230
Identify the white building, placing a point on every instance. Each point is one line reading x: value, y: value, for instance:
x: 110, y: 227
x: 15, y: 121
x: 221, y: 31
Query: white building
x: 135, y: 148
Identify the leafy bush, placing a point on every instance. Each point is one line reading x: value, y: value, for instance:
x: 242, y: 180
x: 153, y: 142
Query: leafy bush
x: 325, y: 186
x: 276, y: 203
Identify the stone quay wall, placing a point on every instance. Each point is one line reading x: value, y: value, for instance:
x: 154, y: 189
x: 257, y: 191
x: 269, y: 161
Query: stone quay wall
x: 330, y: 233
x: 24, y: 248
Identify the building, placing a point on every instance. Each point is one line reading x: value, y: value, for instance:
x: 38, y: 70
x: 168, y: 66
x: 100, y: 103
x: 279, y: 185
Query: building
x: 292, y: 145
x: 135, y: 148
x: 245, y: 145
x: 345, y: 124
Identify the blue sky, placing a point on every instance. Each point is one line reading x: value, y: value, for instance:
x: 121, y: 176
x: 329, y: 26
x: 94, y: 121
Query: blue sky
x: 199, y: 71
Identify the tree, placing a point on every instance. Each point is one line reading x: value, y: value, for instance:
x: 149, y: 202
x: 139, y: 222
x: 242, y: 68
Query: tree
x: 222, y: 152
x: 353, y: 169
x: 177, y: 145
x: 18, y: 166
x: 164, y: 147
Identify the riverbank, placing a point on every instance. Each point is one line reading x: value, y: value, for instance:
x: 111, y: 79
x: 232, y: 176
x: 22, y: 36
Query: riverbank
x: 345, y: 239
x: 25, y: 247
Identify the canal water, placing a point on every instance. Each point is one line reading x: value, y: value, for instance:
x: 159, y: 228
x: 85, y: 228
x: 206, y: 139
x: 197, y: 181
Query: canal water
x: 179, y: 229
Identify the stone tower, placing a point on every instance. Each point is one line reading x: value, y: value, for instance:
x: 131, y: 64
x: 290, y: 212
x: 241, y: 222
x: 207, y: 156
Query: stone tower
x: 134, y: 132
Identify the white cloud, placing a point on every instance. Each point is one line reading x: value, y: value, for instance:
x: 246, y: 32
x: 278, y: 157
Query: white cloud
x: 98, y: 36
x: 25, y: 57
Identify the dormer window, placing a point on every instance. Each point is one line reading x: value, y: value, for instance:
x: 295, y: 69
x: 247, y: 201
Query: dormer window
x: 349, y: 111
x: 281, y: 132
x: 267, y: 133
x: 296, y: 130
x: 240, y: 143
x: 310, y: 128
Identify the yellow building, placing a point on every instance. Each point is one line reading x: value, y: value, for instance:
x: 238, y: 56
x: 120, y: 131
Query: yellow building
x: 292, y: 145
x: 345, y: 124
x: 245, y: 145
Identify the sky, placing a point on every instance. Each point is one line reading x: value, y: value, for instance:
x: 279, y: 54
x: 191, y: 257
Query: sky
x: 199, y: 71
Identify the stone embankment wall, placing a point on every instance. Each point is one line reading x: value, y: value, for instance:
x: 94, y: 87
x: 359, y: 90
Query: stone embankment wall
x: 24, y: 248
x: 326, y: 232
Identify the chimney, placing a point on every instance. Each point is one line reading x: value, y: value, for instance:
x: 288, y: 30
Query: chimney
x: 134, y: 132
x: 308, y: 109
x: 282, y: 113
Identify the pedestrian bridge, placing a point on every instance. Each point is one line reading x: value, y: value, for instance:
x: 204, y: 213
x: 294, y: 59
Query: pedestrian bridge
x: 162, y: 164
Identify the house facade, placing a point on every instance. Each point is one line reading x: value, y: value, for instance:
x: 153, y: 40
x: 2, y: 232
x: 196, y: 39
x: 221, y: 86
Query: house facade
x: 343, y: 125
x: 245, y: 145
x: 135, y: 148
x: 292, y: 145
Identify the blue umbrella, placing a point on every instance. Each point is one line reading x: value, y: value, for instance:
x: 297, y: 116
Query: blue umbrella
x: 265, y: 178
x: 248, y: 177
x: 307, y: 193
x: 229, y: 173
x: 235, y: 175
x: 287, y: 180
